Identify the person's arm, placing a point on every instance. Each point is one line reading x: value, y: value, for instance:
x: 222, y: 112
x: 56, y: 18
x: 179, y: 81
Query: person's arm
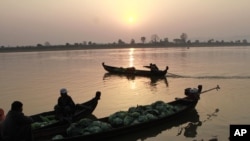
x: 24, y: 119
x: 58, y: 101
x: 72, y: 102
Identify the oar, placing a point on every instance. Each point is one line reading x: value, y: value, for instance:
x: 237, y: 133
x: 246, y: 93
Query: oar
x: 147, y: 67
x: 215, y: 88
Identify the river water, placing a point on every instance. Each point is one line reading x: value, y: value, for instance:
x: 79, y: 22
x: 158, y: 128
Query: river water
x: 35, y: 78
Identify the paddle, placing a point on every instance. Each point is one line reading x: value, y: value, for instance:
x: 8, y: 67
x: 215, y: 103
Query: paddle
x: 215, y: 88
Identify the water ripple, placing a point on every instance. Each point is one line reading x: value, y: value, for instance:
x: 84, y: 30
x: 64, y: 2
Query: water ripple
x: 209, y: 77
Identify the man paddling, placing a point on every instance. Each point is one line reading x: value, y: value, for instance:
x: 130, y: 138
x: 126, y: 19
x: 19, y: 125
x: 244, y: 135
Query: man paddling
x: 152, y: 67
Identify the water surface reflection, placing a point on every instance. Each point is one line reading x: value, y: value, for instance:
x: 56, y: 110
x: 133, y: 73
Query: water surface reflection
x: 189, y: 117
x: 190, y: 130
x: 187, y: 125
x: 153, y: 80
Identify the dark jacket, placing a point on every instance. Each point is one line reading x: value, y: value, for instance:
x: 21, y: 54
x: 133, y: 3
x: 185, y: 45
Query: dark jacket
x: 16, y: 127
x: 65, y: 106
x: 66, y: 100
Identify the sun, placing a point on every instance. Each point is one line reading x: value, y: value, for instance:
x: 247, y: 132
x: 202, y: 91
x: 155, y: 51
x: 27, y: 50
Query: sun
x: 131, y: 19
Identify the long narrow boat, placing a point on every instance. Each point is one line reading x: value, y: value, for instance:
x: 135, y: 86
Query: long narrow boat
x: 133, y: 71
x: 46, y: 122
x: 106, y: 129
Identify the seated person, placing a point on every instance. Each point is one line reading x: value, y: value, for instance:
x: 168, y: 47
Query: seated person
x: 193, y: 93
x: 17, y: 126
x: 65, y: 106
x: 153, y: 67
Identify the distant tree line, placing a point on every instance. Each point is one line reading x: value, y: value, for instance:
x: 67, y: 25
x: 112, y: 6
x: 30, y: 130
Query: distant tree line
x: 182, y: 41
x: 154, y: 40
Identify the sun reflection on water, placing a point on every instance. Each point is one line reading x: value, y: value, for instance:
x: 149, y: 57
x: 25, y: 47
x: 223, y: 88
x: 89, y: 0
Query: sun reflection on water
x: 131, y: 57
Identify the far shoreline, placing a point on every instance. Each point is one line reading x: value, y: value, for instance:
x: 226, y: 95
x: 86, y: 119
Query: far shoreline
x: 110, y: 46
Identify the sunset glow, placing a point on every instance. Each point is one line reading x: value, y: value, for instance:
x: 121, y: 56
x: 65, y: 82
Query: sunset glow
x: 77, y: 21
x: 131, y: 19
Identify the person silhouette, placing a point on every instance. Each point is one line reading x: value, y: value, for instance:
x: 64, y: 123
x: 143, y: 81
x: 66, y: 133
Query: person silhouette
x: 65, y: 105
x: 16, y: 125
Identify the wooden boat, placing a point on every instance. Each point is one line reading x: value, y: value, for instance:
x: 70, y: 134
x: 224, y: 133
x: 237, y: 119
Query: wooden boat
x: 184, y: 105
x: 48, y: 121
x: 132, y: 71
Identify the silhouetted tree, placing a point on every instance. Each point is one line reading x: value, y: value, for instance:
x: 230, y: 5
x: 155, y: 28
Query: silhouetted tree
x: 210, y: 41
x: 47, y: 44
x: 197, y: 41
x: 143, y: 39
x: 184, y: 37
x: 244, y: 41
x: 166, y: 40
x: 39, y: 45
x: 178, y: 41
x: 132, y: 42
x: 76, y: 44
x: 120, y: 42
x: 155, y: 38
x: 237, y: 41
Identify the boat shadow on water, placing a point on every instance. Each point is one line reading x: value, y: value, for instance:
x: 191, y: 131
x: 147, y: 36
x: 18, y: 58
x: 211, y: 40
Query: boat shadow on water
x: 187, y: 126
x: 153, y: 79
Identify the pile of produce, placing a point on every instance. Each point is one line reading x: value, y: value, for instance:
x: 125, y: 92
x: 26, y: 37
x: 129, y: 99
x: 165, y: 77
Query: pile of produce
x: 87, y: 126
x: 140, y: 114
x: 57, y: 137
x: 46, y: 120
x: 134, y: 115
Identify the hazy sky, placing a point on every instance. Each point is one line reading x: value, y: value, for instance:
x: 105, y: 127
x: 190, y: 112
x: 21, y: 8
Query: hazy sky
x: 29, y: 22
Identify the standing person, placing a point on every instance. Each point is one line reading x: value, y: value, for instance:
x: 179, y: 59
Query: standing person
x: 17, y: 126
x: 65, y: 106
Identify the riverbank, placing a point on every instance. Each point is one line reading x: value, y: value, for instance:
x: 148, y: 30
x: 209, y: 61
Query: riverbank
x: 109, y: 46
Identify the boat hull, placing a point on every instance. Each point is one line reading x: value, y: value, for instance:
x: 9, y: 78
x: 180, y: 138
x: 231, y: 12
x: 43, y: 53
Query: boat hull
x: 188, y: 105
